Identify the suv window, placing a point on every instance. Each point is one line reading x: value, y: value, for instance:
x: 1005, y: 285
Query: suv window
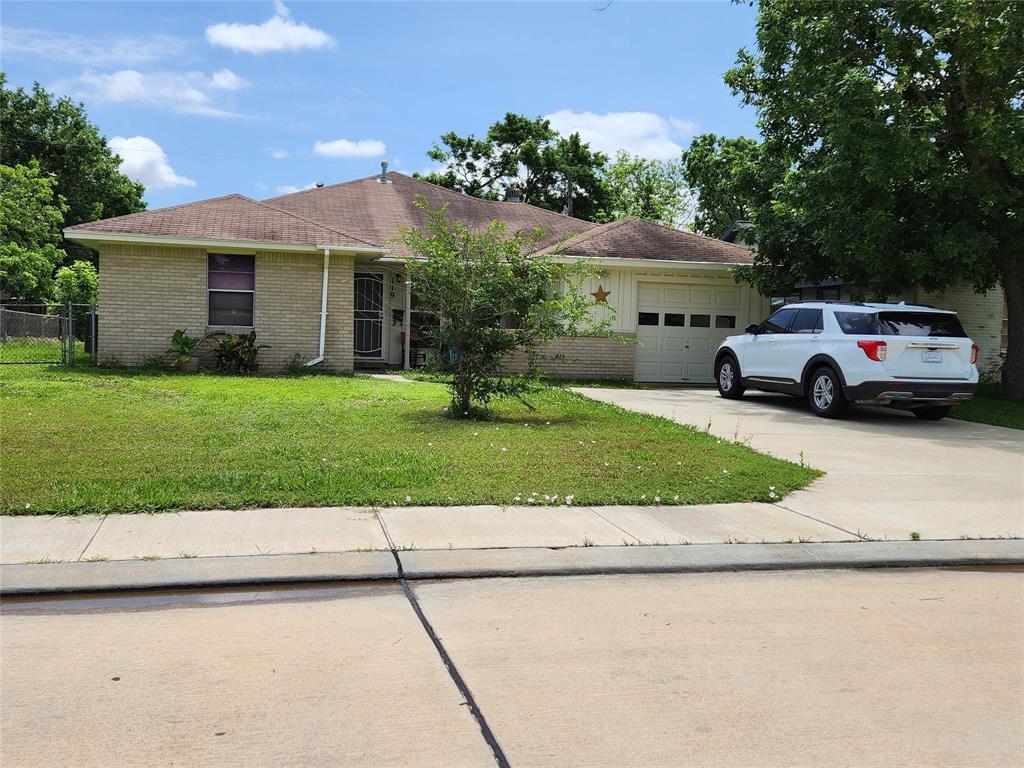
x: 920, y: 324
x: 807, y: 321
x: 777, y: 323
x: 900, y: 324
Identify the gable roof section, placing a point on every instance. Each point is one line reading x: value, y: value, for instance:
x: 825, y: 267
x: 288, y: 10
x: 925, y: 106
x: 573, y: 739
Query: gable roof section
x: 377, y: 212
x: 632, y: 238
x: 231, y: 217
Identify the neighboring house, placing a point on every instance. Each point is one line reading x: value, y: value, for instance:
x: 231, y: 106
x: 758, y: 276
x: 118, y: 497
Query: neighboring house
x: 983, y: 315
x: 319, y: 277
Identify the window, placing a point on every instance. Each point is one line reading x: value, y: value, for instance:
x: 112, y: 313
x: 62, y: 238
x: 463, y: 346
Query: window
x: 807, y: 321
x: 647, y: 318
x: 777, y: 323
x: 920, y: 324
x: 231, y: 281
x: 725, y: 321
x: 700, y: 321
x: 673, y: 320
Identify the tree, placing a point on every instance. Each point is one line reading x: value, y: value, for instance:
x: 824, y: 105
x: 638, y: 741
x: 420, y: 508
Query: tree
x: 57, y: 133
x: 901, y: 126
x: 77, y: 283
x: 31, y: 216
x: 494, y: 294
x: 726, y: 176
x: 645, y: 189
x: 529, y: 156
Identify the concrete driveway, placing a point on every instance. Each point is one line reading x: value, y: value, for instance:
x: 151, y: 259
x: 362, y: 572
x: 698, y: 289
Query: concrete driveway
x: 888, y: 474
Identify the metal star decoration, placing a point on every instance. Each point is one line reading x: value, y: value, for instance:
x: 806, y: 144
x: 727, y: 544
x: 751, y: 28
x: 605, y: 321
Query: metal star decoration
x: 601, y: 295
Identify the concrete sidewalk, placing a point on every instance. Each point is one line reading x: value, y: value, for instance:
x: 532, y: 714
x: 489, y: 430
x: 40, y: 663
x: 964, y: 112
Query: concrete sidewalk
x: 226, y: 533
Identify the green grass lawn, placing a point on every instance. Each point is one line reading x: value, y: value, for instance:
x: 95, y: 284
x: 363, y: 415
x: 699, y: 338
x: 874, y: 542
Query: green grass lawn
x: 990, y: 407
x: 88, y: 440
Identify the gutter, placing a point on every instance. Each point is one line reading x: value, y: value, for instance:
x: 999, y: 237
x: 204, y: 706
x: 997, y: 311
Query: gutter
x: 323, y: 309
x: 86, y: 236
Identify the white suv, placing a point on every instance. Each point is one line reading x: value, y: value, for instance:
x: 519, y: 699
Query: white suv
x: 836, y: 353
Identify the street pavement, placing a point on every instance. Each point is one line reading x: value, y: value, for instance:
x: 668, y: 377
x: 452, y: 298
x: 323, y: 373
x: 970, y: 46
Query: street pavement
x: 908, y: 667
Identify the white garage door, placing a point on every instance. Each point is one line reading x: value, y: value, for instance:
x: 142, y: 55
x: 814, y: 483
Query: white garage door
x: 679, y: 328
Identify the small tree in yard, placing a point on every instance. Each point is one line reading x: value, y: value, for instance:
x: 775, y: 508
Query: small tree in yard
x: 494, y: 294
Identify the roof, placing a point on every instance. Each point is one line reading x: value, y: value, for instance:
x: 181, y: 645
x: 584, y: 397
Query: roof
x: 366, y: 213
x: 377, y: 212
x: 633, y: 238
x: 231, y: 217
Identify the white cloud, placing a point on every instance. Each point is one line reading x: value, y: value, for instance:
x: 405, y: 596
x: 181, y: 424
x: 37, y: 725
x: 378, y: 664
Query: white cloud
x: 226, y: 80
x: 279, y: 33
x: 187, y: 92
x: 99, y: 51
x: 288, y: 189
x: 639, y: 133
x: 277, y: 153
x: 346, y: 148
x: 142, y: 159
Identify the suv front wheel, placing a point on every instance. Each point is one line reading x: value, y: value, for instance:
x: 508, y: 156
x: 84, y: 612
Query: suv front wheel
x: 825, y: 394
x: 727, y: 375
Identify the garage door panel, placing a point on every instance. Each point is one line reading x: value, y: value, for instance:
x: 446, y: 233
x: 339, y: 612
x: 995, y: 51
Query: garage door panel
x: 681, y: 353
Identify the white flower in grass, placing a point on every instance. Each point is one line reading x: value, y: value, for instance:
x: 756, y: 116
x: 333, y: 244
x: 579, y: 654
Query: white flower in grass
x: 546, y: 497
x: 504, y: 450
x: 771, y: 487
x: 27, y: 505
x: 569, y: 499
x: 638, y: 467
x: 679, y: 463
x: 676, y: 497
x: 657, y: 499
x: 517, y: 498
x: 530, y: 500
x: 643, y: 496
x: 408, y: 499
x: 547, y: 423
x: 606, y: 463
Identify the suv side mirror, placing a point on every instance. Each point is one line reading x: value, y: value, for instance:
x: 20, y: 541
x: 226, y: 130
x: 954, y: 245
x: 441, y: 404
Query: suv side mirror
x: 752, y: 328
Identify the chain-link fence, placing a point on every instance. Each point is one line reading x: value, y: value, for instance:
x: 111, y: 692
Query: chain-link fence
x: 47, y: 333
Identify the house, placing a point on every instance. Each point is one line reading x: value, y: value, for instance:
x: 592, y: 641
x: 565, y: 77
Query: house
x: 319, y: 277
x: 983, y: 315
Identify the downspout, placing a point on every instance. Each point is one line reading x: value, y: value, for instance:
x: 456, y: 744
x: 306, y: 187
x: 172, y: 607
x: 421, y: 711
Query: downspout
x: 323, y: 310
x: 408, y: 320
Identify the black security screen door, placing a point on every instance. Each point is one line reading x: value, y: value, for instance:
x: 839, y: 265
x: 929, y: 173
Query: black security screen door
x: 369, y: 315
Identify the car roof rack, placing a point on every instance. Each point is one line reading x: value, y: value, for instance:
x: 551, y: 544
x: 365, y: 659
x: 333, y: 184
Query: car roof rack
x: 827, y: 301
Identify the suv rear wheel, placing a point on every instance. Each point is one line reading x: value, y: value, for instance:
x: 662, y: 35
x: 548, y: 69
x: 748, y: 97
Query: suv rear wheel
x: 727, y: 374
x: 932, y: 412
x: 825, y: 394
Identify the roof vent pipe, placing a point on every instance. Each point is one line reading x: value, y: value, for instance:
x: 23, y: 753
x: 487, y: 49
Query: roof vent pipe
x: 319, y: 184
x: 384, y: 172
x: 514, y: 195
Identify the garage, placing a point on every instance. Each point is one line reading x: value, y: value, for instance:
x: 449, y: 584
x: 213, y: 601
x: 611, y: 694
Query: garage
x: 678, y: 329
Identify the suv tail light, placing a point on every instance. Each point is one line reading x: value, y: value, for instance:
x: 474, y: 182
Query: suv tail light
x: 974, y: 353
x: 875, y: 350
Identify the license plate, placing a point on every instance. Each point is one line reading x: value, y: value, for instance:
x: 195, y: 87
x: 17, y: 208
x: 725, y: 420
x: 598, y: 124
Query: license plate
x: 931, y: 356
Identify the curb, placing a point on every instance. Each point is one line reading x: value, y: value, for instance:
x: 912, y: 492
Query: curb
x: 125, y: 575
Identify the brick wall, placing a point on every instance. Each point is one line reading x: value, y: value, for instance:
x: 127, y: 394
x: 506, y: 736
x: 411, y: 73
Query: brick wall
x: 582, y: 357
x: 147, y: 292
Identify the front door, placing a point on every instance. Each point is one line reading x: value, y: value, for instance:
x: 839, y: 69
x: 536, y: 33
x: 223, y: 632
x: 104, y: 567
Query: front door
x: 369, y: 315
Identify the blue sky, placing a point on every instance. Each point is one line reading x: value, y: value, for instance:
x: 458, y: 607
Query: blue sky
x: 203, y: 99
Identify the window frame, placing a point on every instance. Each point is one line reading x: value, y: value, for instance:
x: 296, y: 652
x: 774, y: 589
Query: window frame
x: 210, y: 256
x: 762, y: 328
x: 818, y: 327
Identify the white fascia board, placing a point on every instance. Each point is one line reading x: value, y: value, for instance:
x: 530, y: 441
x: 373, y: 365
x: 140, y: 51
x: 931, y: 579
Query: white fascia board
x: 608, y: 261
x: 85, y: 236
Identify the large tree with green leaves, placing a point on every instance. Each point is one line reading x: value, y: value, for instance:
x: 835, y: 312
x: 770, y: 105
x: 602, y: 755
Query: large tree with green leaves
x: 526, y: 155
x: 645, y: 189
x: 31, y: 216
x: 495, y: 294
x: 727, y: 179
x: 901, y: 125
x: 36, y: 125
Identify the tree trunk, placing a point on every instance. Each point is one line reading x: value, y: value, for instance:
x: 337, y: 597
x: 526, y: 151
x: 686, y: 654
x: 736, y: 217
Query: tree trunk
x: 1013, y: 368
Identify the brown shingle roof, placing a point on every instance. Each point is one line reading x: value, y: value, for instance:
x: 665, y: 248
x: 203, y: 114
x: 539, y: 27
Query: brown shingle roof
x: 232, y: 217
x: 638, y: 239
x: 376, y: 212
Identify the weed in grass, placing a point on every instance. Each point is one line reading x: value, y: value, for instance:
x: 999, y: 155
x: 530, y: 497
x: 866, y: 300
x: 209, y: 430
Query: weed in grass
x: 915, y: 536
x: 43, y: 561
x: 150, y: 557
x: 187, y: 555
x: 587, y: 541
x: 804, y: 539
x: 95, y: 559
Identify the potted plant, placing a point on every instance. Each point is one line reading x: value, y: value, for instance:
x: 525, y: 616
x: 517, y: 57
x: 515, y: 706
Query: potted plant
x: 247, y: 351
x: 227, y: 355
x: 183, y: 345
